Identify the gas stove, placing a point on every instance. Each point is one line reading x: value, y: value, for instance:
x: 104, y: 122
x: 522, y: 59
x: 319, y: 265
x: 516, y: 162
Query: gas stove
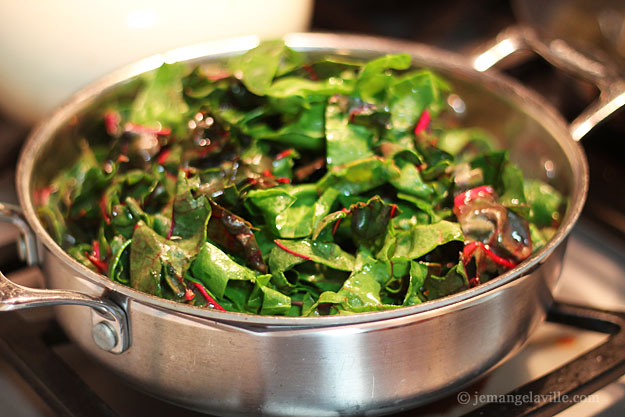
x: 572, y: 365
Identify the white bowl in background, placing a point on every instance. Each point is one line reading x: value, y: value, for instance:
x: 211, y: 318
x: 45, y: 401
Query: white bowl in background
x: 51, y: 49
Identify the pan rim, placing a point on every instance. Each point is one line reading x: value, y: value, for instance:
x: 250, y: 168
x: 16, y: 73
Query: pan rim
x: 529, y: 102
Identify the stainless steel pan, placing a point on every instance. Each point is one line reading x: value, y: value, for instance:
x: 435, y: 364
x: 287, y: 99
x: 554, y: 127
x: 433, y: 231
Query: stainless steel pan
x: 374, y: 363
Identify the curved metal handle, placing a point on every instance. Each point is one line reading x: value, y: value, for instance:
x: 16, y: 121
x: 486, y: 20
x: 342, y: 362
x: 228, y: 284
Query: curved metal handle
x: 110, y: 324
x: 557, y: 52
x: 28, y: 244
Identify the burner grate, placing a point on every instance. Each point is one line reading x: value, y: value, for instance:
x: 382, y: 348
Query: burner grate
x: 580, y: 377
x: 28, y: 347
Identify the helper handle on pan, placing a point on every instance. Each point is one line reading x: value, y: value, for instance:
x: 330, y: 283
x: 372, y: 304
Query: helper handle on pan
x: 557, y: 52
x: 110, y: 324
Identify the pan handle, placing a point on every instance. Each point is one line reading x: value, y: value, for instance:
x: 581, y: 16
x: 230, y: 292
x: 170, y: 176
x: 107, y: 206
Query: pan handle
x: 110, y: 324
x: 557, y: 52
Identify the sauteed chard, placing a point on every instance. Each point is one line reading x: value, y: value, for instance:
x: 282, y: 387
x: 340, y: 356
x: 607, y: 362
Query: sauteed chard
x: 272, y: 183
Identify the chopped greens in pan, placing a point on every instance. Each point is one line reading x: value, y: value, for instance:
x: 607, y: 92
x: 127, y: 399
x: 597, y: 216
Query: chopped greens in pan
x: 274, y: 184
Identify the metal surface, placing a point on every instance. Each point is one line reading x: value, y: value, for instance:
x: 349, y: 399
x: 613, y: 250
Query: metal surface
x: 15, y: 297
x: 347, y: 369
x: 381, y: 362
x: 606, y: 77
x: 31, y: 350
x: 27, y: 241
x: 585, y: 24
x: 104, y: 336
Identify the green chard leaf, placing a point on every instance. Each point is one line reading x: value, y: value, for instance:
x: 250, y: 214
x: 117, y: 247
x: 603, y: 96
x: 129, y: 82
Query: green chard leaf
x: 368, y: 225
x: 258, y: 67
x: 78, y: 252
x: 215, y: 269
x: 506, y: 178
x: 291, y: 211
x: 410, y: 182
x: 154, y: 259
x: 282, y: 165
x: 374, y: 78
x: 120, y: 262
x: 271, y: 302
x: 235, y: 234
x: 420, y: 240
x: 414, y: 294
x: 467, y: 143
x: 305, y: 131
x: 514, y: 194
x: 345, y: 142
x: 290, y: 86
x: 360, y: 176
x: 190, y: 214
x: 411, y: 94
x: 160, y: 104
x: 291, y: 252
x: 361, y: 292
x: 54, y: 222
x: 454, y: 281
x: 546, y: 203
x: 425, y: 207
x: 491, y: 165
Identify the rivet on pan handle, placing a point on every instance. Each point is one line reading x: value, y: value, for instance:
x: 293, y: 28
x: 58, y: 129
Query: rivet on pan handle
x: 605, y: 76
x: 110, y: 324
